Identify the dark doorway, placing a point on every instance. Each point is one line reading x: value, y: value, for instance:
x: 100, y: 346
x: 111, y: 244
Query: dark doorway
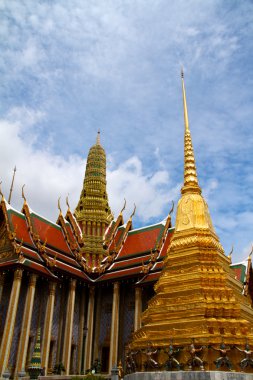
x: 105, y: 359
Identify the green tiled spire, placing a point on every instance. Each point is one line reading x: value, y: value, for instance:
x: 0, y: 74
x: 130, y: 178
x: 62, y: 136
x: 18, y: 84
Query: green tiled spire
x: 34, y: 368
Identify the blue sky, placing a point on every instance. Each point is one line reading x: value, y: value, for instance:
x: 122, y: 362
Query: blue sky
x: 70, y: 68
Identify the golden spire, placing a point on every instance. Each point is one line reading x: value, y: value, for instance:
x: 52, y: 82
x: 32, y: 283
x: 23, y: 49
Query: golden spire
x: 190, y: 173
x: 93, y: 205
x: 192, y: 211
x: 93, y: 212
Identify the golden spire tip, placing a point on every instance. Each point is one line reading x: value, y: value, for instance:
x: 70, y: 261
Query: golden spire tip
x: 190, y: 173
x: 98, y: 138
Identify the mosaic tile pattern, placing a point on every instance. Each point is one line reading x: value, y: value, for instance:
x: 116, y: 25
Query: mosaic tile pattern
x: 127, y: 305
x: 128, y: 322
x: 106, y: 316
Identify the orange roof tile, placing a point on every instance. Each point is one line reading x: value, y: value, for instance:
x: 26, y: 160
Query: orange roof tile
x: 49, y: 232
x: 142, y: 240
x: 19, y: 225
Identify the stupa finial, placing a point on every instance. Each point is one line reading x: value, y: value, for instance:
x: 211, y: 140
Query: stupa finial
x: 186, y: 120
x: 98, y: 138
x: 190, y: 172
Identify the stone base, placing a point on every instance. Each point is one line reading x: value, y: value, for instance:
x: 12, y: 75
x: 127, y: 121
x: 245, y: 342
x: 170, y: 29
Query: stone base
x: 189, y: 375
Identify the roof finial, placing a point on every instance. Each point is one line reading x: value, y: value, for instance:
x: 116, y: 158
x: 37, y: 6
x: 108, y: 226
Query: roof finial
x: 230, y: 253
x: 190, y: 173
x: 23, y: 193
x: 59, y: 205
x: 67, y: 201
x: 1, y: 193
x: 172, y: 208
x: 123, y: 208
x: 133, y: 211
x: 13, y: 177
x: 250, y: 252
x: 98, y: 138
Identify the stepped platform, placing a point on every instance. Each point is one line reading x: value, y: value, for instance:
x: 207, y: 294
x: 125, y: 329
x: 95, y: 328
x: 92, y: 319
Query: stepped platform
x: 189, y: 375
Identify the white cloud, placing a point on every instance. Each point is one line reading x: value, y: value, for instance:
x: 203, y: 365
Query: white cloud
x: 151, y: 193
x: 46, y: 175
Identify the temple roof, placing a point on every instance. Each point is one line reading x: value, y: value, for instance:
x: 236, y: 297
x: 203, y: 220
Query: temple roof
x: 53, y: 249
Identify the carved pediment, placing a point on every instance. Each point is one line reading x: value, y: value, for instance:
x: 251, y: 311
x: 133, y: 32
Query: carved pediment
x: 6, y: 247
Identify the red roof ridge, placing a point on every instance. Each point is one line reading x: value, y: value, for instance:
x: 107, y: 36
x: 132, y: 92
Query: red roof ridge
x: 75, y: 226
x: 73, y: 246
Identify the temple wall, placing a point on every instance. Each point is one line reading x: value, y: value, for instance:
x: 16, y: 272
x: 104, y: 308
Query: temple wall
x: 105, y: 326
x: 106, y: 316
x: 5, y: 301
x: 126, y: 317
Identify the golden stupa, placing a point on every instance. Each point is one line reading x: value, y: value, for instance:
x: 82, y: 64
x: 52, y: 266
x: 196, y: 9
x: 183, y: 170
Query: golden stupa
x: 197, y: 300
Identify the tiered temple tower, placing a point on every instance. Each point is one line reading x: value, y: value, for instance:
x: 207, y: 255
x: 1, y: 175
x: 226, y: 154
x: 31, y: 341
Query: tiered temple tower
x: 93, y: 212
x: 197, y: 296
